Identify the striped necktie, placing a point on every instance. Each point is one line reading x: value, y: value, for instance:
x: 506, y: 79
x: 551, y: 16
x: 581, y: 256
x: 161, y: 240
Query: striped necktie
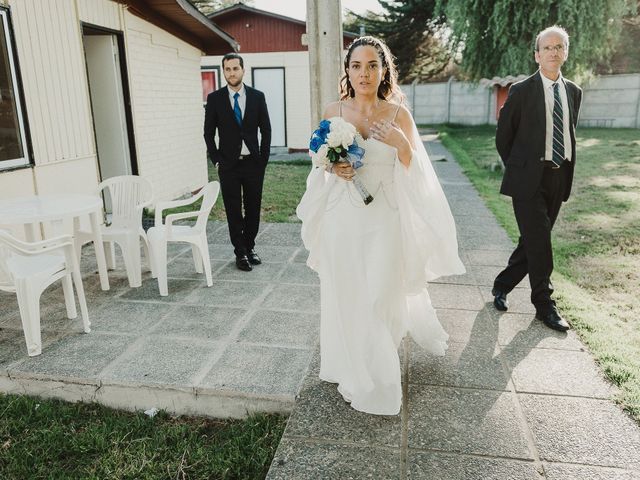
x: 558, y: 128
x: 236, y: 109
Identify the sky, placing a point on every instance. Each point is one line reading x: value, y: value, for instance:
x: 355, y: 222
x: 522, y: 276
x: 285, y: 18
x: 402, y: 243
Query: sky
x: 298, y: 8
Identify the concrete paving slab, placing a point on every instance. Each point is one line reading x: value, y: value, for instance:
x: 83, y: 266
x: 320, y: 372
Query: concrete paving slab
x: 195, y: 321
x: 275, y: 254
x: 427, y: 465
x: 303, y: 460
x: 469, y: 421
x: 228, y: 294
x: 322, y: 413
x: 301, y: 255
x: 299, y: 273
x: 462, y: 366
x: 520, y: 330
x: 558, y: 471
x: 559, y: 372
x: 291, y: 329
x: 126, y: 317
x: 582, y: 431
x: 305, y: 298
x: 469, y: 327
x: 494, y: 258
x: 221, y: 251
x: 77, y: 358
x: 461, y: 297
x: 258, y: 370
x: 179, y: 290
x: 267, y: 272
x: 287, y: 235
x: 184, y: 267
x: 519, y: 300
x: 161, y: 360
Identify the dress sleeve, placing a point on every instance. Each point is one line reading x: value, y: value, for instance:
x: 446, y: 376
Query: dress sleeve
x: 311, y: 210
x: 429, y: 239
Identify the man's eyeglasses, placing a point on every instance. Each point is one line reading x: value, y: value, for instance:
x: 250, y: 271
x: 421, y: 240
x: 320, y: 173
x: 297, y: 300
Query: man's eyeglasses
x: 554, y: 48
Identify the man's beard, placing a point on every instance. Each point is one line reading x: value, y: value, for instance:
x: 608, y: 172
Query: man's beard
x: 234, y: 83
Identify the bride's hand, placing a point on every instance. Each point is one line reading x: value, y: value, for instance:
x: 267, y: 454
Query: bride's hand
x: 389, y: 133
x: 344, y: 170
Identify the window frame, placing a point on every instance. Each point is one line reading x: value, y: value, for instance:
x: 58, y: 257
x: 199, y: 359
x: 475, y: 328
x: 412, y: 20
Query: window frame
x: 27, y: 158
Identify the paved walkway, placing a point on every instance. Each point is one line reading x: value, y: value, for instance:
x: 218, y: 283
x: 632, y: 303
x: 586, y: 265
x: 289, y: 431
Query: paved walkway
x: 510, y: 400
x: 243, y: 345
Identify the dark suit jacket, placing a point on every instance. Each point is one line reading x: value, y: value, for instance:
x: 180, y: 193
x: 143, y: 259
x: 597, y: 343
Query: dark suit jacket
x: 219, y: 116
x: 520, y: 137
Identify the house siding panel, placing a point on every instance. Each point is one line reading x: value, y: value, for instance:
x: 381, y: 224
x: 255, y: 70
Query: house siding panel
x: 49, y: 48
x: 259, y: 33
x: 100, y: 12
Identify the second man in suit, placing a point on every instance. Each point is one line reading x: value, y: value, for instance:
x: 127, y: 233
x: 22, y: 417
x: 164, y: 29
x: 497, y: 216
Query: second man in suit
x: 237, y: 112
x: 537, y: 143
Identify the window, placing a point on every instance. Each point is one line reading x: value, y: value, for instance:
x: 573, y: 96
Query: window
x: 209, y: 81
x: 13, y: 137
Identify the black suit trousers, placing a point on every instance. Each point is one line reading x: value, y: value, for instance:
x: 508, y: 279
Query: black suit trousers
x: 241, y: 186
x: 534, y: 255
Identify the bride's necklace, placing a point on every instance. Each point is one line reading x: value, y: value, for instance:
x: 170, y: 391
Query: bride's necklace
x: 371, y: 111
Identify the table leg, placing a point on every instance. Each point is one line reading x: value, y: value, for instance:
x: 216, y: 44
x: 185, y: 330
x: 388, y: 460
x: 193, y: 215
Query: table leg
x: 99, y: 248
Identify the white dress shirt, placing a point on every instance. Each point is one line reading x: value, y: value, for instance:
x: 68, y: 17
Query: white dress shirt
x: 242, y: 101
x: 549, y: 102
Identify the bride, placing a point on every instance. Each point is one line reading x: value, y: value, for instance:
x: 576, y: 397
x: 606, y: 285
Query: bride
x: 374, y: 260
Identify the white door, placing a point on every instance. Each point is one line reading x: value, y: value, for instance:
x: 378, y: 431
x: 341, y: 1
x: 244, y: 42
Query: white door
x: 107, y: 105
x: 270, y: 81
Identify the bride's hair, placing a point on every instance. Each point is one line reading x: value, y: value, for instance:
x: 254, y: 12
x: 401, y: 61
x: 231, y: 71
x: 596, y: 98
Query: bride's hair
x: 388, y: 88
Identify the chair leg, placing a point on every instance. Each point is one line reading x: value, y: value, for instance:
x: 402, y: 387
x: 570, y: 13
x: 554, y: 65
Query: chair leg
x: 197, y: 257
x: 159, y: 252
x: 147, y: 255
x: 77, y: 279
x: 110, y: 254
x: 29, y: 305
x: 132, y: 262
x: 69, y: 300
x: 206, y: 261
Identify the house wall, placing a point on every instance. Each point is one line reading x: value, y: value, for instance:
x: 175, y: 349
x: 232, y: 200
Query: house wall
x: 297, y: 94
x: 165, y: 92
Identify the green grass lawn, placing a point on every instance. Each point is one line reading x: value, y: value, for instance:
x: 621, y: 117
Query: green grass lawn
x: 53, y: 439
x: 284, y: 184
x: 596, y: 241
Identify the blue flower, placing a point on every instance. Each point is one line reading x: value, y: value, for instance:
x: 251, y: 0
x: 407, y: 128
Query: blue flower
x: 355, y: 154
x: 319, y: 137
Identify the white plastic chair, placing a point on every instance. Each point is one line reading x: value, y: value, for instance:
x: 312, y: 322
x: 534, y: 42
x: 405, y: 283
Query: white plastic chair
x: 196, y: 235
x: 29, y: 268
x: 129, y: 195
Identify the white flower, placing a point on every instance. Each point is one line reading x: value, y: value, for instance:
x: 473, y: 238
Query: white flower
x: 341, y: 133
x: 320, y: 158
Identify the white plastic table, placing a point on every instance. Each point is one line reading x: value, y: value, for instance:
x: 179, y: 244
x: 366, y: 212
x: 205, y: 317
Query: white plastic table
x: 56, y: 208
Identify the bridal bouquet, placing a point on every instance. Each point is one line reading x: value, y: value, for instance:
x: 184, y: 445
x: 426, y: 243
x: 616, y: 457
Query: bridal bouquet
x: 335, y: 141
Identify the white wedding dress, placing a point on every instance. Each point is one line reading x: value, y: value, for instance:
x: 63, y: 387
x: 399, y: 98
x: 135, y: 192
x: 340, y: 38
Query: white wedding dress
x: 374, y: 262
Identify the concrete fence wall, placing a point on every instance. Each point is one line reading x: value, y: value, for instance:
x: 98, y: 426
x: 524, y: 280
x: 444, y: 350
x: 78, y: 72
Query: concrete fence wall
x: 608, y: 101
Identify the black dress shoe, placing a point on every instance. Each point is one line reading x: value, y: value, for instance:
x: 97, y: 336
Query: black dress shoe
x: 552, y: 319
x: 253, y: 257
x: 242, y: 263
x: 500, y: 300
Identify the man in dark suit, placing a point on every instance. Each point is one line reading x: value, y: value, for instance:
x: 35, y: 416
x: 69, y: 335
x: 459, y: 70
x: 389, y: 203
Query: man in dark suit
x: 237, y: 112
x: 537, y: 143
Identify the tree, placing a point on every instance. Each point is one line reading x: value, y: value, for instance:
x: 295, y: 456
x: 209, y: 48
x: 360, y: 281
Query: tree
x: 414, y: 34
x: 496, y: 37
x: 209, y: 6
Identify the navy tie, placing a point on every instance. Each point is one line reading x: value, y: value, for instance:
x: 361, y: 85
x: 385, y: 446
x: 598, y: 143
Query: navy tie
x: 558, y: 129
x: 236, y: 109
